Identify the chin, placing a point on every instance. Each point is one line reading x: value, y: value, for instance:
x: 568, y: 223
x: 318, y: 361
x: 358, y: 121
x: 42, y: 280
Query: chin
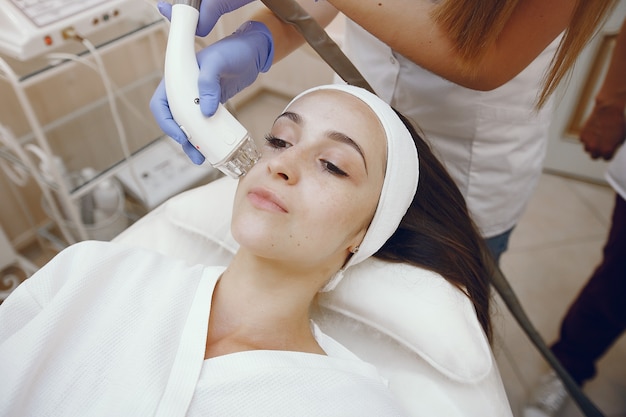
x: 253, y: 235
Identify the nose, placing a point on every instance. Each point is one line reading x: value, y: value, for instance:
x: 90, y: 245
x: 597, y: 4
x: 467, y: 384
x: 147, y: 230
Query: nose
x: 285, y: 165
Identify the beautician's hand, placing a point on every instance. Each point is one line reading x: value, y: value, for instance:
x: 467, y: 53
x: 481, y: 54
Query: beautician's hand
x: 210, y: 12
x: 604, y: 131
x: 226, y: 67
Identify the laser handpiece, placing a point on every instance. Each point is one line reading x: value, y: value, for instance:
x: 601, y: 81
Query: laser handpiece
x: 223, y: 141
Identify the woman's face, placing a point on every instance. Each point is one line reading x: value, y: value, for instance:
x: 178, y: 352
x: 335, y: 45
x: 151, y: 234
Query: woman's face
x: 313, y: 193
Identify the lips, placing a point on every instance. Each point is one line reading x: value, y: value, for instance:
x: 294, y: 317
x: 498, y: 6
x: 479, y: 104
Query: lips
x: 264, y: 199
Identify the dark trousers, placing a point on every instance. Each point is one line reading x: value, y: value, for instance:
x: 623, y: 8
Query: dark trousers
x: 597, y: 317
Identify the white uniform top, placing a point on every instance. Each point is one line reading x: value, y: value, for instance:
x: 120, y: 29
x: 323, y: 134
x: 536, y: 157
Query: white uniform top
x: 109, y: 330
x: 616, y: 173
x: 492, y: 143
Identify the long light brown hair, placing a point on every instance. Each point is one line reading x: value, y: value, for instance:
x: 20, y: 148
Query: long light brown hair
x: 475, y: 24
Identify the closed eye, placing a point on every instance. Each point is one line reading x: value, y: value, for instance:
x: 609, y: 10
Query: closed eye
x: 334, y: 169
x: 275, y: 142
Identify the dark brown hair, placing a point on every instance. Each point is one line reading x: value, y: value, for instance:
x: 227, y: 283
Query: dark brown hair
x: 438, y: 234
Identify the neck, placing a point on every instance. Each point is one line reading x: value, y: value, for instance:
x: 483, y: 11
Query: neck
x: 260, y: 304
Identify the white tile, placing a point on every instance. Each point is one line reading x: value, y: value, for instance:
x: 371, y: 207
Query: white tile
x: 556, y: 214
x: 599, y: 198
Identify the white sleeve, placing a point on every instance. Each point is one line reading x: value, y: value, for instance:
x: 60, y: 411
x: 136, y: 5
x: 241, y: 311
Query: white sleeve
x: 17, y: 310
x: 32, y: 295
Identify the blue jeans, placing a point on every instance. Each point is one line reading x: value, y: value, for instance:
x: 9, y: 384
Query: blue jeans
x: 498, y: 244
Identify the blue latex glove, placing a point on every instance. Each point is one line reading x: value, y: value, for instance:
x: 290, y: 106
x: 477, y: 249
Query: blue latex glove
x: 210, y: 12
x: 226, y: 67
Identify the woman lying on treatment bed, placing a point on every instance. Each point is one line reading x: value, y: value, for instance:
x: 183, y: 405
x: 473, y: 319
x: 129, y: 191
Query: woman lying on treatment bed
x: 108, y: 329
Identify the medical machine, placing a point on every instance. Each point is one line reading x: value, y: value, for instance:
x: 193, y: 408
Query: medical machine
x: 223, y: 141
x: 30, y: 28
x: 163, y: 170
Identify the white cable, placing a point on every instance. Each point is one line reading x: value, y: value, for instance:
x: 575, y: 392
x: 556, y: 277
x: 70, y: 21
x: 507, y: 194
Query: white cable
x: 24, y: 168
x: 148, y: 123
x: 16, y: 171
x: 29, y: 112
x: 46, y: 165
x: 23, y: 262
x: 115, y: 113
x: 19, y: 175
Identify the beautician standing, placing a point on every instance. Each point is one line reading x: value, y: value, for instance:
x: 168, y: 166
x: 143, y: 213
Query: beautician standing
x: 470, y: 73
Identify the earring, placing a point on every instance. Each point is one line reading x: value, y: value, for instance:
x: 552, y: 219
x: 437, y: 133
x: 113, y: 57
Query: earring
x: 354, y: 250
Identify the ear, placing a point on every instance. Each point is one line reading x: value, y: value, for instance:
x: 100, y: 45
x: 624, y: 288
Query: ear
x: 356, y: 241
x: 353, y: 248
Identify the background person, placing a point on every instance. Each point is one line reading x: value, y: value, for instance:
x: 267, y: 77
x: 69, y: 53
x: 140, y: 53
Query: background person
x: 597, y: 317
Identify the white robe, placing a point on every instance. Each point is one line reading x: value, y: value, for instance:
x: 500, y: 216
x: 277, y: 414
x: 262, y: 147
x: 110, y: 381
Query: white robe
x: 106, y: 329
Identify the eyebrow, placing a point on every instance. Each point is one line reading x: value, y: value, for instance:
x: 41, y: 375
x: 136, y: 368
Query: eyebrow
x: 333, y: 134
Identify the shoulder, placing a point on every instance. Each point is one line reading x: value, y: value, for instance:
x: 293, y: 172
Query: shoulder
x: 89, y: 253
x: 105, y: 267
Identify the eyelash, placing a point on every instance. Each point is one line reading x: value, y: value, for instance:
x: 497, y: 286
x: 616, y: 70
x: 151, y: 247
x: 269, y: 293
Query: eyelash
x: 275, y: 142
x: 278, y: 143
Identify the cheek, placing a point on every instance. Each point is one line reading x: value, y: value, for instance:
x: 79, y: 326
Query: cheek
x: 246, y: 224
x: 361, y: 208
x: 344, y: 213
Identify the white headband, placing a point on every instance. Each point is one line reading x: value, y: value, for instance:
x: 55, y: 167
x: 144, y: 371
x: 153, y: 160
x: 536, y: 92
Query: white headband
x: 401, y: 176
